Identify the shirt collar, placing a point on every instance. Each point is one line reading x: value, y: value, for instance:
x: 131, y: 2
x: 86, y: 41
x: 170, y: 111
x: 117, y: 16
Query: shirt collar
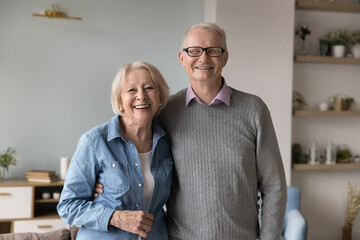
x: 114, y: 129
x: 223, y: 95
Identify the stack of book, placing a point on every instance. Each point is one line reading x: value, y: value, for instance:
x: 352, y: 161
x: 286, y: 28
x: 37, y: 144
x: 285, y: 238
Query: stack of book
x: 41, y: 176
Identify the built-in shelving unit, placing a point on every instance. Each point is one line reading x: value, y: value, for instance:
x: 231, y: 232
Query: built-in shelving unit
x: 311, y: 113
x: 328, y: 6
x: 323, y: 59
x: 49, y: 16
x: 320, y: 167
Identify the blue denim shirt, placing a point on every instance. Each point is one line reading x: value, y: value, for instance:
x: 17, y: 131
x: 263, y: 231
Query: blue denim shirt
x: 103, y: 154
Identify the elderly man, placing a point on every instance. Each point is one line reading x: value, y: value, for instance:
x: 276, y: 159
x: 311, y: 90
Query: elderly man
x: 225, y: 150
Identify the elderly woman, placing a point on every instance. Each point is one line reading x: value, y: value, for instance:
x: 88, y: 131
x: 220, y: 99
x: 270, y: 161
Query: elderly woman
x: 130, y: 156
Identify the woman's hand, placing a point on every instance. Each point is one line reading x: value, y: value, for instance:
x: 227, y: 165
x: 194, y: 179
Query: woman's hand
x: 99, y: 188
x: 137, y: 222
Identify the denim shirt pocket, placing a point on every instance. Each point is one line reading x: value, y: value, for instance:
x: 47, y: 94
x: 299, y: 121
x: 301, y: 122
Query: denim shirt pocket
x: 116, y: 178
x: 167, y: 165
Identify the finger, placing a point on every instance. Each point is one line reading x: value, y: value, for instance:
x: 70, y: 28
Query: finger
x: 98, y: 189
x: 144, y: 234
x: 147, y: 215
x: 99, y: 185
x: 95, y: 195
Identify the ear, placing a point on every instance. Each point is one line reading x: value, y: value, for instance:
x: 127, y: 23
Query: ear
x: 182, y: 58
x: 226, y: 57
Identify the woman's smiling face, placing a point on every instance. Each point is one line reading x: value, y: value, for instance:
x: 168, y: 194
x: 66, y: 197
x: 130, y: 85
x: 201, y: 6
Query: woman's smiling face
x: 139, y: 98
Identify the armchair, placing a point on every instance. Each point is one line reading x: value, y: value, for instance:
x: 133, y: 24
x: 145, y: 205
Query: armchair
x: 295, y: 225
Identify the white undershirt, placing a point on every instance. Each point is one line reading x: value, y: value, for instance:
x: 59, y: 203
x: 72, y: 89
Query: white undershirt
x: 149, y: 182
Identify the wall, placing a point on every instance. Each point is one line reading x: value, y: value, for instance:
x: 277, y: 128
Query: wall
x: 55, y: 74
x: 260, y: 36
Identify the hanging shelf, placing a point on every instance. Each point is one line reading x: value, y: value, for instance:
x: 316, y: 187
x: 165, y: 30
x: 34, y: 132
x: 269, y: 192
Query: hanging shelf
x: 55, y: 13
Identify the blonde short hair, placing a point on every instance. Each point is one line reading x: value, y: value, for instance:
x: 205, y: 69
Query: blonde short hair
x: 120, y: 79
x: 210, y: 27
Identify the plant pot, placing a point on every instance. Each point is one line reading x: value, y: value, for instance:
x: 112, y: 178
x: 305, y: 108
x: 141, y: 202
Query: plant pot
x: 2, y: 173
x: 346, y: 232
x: 356, y: 50
x: 338, y: 51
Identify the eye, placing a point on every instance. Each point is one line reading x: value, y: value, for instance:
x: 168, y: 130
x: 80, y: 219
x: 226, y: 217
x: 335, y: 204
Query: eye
x: 131, y: 90
x: 148, y: 88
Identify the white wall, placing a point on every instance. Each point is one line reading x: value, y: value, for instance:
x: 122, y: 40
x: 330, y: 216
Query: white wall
x: 55, y: 74
x: 260, y: 43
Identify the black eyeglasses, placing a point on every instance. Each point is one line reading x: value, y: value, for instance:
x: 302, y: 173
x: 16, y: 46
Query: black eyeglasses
x: 198, y: 51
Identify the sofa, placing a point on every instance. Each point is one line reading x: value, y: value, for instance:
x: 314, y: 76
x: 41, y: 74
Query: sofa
x: 60, y: 234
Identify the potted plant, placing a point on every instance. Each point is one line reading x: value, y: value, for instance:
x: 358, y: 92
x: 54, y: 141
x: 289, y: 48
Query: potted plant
x: 339, y: 40
x: 355, y: 49
x: 7, y: 158
x: 302, y: 32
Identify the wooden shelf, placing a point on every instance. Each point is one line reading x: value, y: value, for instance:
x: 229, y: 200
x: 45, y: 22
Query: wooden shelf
x: 64, y: 17
x: 328, y: 6
x: 311, y: 113
x: 338, y: 166
x: 321, y: 59
x: 47, y: 200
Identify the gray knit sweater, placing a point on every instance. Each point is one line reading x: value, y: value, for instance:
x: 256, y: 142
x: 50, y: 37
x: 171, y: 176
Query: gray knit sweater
x: 223, y: 155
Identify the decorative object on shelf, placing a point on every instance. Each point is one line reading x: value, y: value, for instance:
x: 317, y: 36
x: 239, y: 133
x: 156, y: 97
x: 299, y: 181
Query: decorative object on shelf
x: 297, y: 101
x: 324, y: 47
x: 341, y: 102
x: 64, y: 165
x: 314, y: 154
x: 352, y: 210
x: 355, y: 48
x: 339, y: 40
x: 41, y: 176
x: 302, y: 32
x: 56, y: 195
x: 330, y: 153
x: 7, y: 158
x: 297, y: 156
x: 55, y: 13
x: 46, y: 195
x: 343, y: 154
x: 323, y: 106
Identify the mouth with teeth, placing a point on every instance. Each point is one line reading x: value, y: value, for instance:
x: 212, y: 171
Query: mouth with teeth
x: 204, y: 67
x: 142, y: 106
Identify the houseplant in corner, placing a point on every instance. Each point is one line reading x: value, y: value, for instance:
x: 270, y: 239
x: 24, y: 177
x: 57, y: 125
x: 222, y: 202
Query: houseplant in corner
x: 339, y: 40
x: 7, y: 158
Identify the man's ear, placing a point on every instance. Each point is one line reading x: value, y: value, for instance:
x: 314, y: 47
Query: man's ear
x: 226, y: 57
x: 181, y: 58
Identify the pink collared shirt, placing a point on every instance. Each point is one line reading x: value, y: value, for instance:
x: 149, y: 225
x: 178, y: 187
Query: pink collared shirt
x: 223, y: 95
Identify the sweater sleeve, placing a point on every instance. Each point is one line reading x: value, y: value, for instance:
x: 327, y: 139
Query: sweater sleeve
x: 271, y: 177
x: 76, y: 205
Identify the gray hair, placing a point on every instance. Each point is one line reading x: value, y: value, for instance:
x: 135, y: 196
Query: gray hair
x: 208, y: 26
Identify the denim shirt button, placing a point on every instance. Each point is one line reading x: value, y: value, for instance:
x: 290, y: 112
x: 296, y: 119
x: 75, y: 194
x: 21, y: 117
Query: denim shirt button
x: 113, y: 165
x: 140, y: 185
x: 131, y: 145
x: 137, y: 205
x: 136, y: 164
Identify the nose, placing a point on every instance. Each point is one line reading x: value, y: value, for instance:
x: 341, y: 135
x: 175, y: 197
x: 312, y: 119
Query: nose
x: 142, y: 95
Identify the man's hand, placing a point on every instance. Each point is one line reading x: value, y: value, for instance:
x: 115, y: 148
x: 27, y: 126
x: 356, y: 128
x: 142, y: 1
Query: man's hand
x: 99, y: 188
x: 137, y: 222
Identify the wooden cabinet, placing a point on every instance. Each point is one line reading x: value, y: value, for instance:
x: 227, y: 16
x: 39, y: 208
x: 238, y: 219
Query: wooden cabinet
x: 24, y: 210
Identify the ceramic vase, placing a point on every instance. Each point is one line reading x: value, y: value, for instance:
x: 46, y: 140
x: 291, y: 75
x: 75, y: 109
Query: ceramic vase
x: 346, y: 232
x: 356, y: 50
x: 338, y: 51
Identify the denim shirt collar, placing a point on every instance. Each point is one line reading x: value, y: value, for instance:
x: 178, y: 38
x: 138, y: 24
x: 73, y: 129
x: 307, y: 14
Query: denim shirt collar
x: 114, y: 130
